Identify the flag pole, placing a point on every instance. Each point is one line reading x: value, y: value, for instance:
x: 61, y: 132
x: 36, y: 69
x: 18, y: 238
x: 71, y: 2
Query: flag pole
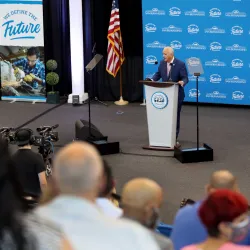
x: 121, y: 101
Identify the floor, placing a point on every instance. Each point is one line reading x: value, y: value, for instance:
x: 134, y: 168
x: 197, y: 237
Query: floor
x: 225, y: 129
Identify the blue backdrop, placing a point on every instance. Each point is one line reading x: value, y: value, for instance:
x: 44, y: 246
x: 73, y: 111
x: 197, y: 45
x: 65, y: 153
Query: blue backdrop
x: 216, y: 31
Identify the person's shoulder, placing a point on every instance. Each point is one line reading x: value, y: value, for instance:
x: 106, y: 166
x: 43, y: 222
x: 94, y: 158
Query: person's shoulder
x: 163, y: 242
x: 178, y: 61
x: 137, y: 233
x: 190, y: 247
x: 188, y: 210
x: 232, y: 246
x: 162, y: 62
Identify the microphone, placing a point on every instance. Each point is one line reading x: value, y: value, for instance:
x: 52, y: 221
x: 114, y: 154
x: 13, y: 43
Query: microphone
x: 156, y: 62
x: 93, y: 50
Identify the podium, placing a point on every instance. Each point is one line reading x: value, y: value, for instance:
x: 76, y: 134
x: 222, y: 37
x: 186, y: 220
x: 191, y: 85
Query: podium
x: 161, y: 105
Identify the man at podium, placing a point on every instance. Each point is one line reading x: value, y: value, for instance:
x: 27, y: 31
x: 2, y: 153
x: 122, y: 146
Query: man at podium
x: 172, y: 69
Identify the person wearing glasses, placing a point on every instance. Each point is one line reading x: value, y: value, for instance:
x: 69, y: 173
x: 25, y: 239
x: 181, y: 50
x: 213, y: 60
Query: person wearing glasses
x: 33, y: 67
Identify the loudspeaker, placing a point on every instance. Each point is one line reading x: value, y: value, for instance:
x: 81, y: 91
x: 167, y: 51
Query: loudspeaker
x: 96, y: 139
x: 82, y: 130
x: 75, y: 99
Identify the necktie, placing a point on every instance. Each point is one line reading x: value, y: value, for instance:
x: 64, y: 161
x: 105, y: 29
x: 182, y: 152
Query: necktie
x: 169, y: 70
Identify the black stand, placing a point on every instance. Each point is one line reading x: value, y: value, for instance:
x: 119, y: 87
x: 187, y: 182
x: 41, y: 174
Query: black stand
x: 198, y: 154
x: 95, y: 99
x: 92, y: 134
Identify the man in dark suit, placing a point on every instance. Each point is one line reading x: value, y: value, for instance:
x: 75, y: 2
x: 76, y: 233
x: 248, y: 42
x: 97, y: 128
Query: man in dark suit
x: 172, y: 69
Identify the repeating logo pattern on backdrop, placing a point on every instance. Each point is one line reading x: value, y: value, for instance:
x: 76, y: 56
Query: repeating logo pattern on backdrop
x: 217, y: 32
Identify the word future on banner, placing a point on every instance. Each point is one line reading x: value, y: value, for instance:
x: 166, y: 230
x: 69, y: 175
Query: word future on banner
x: 21, y: 24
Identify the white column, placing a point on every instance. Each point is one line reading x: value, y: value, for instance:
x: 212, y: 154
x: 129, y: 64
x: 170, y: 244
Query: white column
x: 77, y: 51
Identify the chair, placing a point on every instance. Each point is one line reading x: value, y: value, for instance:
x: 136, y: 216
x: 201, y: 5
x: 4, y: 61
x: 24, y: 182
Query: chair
x: 164, y: 229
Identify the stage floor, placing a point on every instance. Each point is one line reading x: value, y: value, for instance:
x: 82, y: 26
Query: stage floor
x: 225, y: 129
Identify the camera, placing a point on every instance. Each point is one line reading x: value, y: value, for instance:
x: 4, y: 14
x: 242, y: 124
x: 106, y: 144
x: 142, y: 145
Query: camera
x: 44, y: 141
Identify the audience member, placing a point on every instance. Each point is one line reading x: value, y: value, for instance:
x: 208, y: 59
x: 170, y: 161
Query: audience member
x: 104, y: 201
x: 188, y: 228
x: 78, y: 172
x: 13, y: 231
x: 224, y: 215
x: 30, y: 166
x: 141, y: 201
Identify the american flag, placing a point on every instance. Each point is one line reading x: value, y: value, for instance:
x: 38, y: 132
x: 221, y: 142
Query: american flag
x: 115, y: 47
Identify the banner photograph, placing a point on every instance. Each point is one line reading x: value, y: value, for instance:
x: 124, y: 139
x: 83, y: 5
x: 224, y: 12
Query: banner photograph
x: 216, y: 32
x: 21, y: 50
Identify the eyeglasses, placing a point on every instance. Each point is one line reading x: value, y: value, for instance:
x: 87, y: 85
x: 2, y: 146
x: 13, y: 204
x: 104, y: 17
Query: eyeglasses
x: 32, y: 61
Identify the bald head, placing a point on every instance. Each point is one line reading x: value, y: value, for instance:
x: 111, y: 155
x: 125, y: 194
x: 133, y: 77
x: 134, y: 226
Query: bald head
x: 168, y: 54
x: 78, y: 169
x: 222, y: 179
x: 141, y: 192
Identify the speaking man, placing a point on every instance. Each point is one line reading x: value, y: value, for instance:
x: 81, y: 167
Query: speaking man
x: 172, y: 69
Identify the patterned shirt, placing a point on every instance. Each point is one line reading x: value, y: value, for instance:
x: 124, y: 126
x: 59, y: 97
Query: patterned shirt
x: 38, y: 70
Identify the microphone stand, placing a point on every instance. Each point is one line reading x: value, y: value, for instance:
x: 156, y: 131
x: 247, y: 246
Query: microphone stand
x: 90, y: 92
x: 197, y: 109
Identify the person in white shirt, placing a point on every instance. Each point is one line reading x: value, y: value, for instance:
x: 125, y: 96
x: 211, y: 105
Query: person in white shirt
x: 78, y: 174
x: 104, y: 201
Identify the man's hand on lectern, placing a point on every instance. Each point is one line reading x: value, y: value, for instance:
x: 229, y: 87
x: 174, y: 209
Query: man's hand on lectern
x: 181, y: 83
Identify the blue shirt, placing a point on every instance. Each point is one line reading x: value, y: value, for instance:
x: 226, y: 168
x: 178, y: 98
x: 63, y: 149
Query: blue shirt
x: 38, y: 70
x: 188, y: 228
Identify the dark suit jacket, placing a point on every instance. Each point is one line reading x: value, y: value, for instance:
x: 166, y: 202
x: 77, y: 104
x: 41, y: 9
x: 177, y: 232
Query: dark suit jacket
x: 178, y: 73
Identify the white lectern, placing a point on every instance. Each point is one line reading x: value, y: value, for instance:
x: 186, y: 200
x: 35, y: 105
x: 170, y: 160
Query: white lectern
x: 161, y: 104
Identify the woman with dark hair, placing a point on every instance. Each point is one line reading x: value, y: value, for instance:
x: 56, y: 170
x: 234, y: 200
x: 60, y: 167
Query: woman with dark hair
x: 105, y: 200
x: 224, y: 214
x: 13, y: 232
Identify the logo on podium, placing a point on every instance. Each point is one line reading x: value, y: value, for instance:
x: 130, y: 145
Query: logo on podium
x: 159, y: 100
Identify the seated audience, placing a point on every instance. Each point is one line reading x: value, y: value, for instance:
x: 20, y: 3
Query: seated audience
x: 29, y: 165
x: 224, y: 215
x: 104, y: 201
x: 19, y: 229
x: 78, y: 172
x: 141, y: 201
x: 187, y: 217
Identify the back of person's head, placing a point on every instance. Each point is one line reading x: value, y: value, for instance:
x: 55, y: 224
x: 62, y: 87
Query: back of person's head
x: 78, y: 170
x: 224, y: 214
x: 222, y: 179
x: 23, y: 137
x: 11, y: 200
x: 141, y: 200
x: 108, y: 181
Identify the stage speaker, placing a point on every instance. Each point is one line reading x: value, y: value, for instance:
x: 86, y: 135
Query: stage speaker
x: 82, y: 130
x: 75, y: 100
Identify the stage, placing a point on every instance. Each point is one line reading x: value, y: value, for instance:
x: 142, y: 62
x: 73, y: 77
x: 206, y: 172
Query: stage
x: 225, y: 129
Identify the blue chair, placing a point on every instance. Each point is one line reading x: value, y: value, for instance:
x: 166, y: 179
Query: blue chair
x: 164, y: 229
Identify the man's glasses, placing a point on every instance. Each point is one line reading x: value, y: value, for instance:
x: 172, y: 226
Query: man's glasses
x: 32, y: 61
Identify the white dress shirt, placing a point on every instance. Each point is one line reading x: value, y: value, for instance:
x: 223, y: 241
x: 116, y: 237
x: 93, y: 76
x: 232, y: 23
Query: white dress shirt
x: 108, y: 208
x: 87, y: 228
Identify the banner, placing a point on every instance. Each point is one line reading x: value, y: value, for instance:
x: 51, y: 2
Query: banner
x: 215, y: 31
x: 21, y: 50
